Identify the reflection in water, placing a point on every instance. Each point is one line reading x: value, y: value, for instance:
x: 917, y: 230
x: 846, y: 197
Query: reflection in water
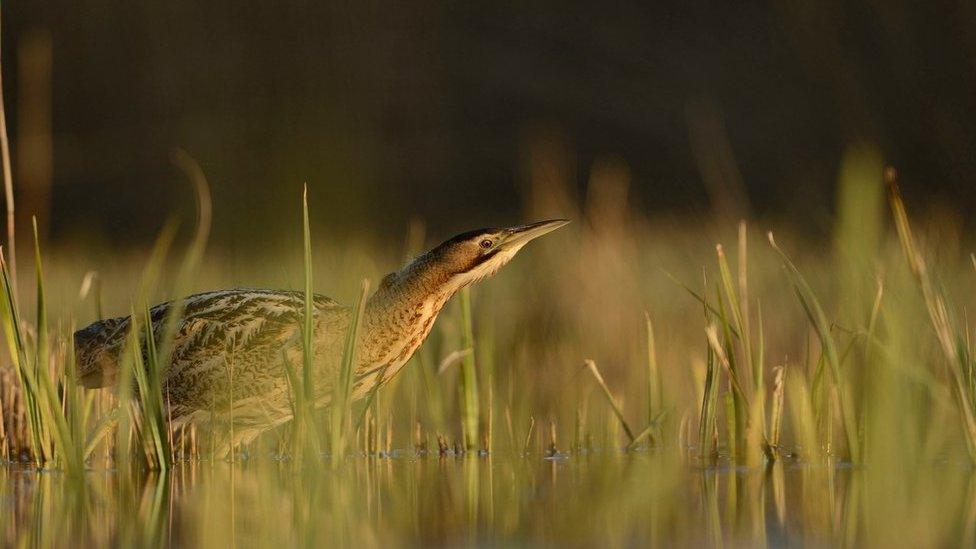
x: 611, y: 500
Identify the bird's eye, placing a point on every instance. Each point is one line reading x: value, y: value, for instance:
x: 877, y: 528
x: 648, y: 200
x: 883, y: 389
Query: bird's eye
x: 486, y: 243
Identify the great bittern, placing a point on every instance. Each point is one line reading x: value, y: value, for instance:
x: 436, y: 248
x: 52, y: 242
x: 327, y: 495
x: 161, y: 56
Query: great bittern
x: 231, y: 346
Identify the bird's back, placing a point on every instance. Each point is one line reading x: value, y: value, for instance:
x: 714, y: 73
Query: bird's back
x: 221, y: 335
x: 96, y: 351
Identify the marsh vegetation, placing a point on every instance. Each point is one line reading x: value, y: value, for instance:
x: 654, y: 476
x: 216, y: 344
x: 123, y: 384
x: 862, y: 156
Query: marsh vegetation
x: 627, y: 382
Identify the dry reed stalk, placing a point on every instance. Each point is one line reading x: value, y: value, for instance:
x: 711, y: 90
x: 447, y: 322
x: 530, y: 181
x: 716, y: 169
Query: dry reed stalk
x: 654, y: 389
x: 8, y: 187
x: 937, y: 310
x: 389, y: 435
x: 776, y: 413
x: 418, y: 440
x: 712, y: 333
x: 15, y: 410
x: 490, y: 419
x: 591, y: 366
x: 4, y: 450
x: 528, y: 436
x: 13, y: 418
x: 552, y: 450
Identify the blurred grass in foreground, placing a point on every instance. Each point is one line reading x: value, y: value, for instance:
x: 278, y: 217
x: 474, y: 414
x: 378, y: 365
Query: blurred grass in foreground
x: 628, y: 382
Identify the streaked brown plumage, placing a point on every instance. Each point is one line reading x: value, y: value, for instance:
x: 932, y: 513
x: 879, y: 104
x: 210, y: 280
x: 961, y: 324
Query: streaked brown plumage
x: 231, y: 345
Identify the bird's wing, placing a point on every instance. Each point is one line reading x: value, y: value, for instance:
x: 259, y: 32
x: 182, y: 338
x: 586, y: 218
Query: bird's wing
x: 213, y: 326
x: 235, y: 321
x: 230, y: 344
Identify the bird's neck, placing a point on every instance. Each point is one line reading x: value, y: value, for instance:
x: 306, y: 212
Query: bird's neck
x: 400, y: 314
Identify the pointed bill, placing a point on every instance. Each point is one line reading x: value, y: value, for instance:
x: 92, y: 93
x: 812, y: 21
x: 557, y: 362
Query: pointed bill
x: 519, y: 236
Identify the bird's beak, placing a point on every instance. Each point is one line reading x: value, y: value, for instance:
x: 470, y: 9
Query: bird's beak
x: 520, y: 236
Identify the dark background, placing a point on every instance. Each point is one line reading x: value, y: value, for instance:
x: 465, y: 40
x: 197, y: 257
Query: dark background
x: 390, y: 110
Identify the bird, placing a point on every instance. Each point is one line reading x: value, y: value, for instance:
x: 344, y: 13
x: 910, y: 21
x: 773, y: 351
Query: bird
x: 228, y: 358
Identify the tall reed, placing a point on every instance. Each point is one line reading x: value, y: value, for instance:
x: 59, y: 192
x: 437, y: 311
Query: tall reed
x: 951, y: 341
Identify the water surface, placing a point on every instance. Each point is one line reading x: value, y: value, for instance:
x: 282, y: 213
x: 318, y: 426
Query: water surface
x: 596, y: 499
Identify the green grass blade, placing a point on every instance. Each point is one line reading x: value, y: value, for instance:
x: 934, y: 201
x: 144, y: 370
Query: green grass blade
x: 817, y: 318
x: 55, y: 423
x: 12, y: 328
x: 342, y: 395
x: 308, y: 335
x: 470, y: 410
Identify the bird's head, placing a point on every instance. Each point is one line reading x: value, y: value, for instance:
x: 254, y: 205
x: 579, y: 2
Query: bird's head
x: 474, y: 255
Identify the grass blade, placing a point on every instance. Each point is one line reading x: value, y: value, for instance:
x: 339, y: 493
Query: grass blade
x: 470, y: 413
x: 655, y: 393
x: 937, y: 310
x: 817, y: 318
x: 16, y: 344
x: 591, y: 366
x: 342, y: 395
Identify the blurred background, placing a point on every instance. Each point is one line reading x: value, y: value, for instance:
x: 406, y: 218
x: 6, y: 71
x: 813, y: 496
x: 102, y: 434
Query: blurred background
x: 655, y: 127
x: 443, y: 111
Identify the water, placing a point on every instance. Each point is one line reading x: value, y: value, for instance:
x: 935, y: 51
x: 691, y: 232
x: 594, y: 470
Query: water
x: 596, y: 499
